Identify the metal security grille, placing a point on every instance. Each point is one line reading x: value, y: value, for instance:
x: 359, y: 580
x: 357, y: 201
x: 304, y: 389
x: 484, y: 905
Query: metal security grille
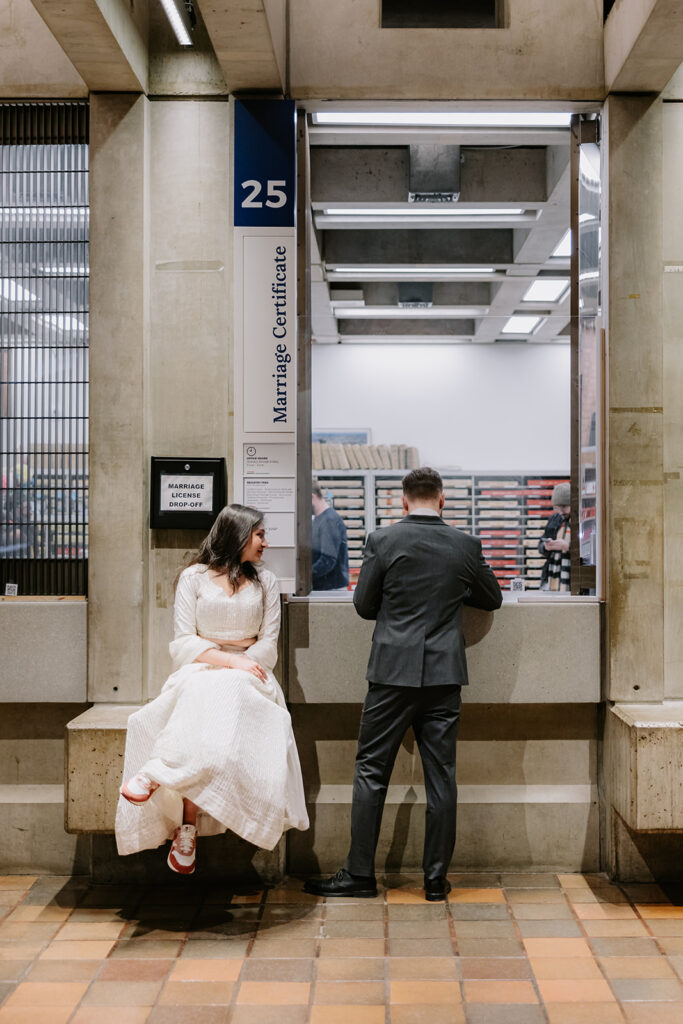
x: 44, y: 270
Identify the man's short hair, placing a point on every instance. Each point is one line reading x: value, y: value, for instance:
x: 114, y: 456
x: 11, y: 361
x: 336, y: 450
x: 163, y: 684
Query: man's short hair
x: 316, y: 488
x: 423, y: 483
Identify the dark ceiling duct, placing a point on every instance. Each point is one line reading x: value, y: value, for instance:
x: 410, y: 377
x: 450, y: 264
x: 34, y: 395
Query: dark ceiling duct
x: 434, y: 175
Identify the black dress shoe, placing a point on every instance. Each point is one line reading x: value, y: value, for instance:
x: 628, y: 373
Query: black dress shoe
x: 436, y: 889
x: 342, y: 884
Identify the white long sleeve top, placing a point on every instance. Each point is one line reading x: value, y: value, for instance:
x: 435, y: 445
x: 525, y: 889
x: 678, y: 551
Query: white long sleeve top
x: 203, y: 609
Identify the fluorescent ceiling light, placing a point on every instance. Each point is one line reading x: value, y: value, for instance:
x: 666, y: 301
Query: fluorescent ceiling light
x: 546, y: 289
x: 418, y: 210
x: 564, y: 247
x: 411, y: 312
x: 445, y: 119
x: 521, y: 324
x: 180, y: 22
x: 409, y: 271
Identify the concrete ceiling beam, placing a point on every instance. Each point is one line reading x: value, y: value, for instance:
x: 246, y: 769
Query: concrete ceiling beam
x: 373, y: 174
x: 249, y: 40
x: 404, y: 327
x: 643, y: 43
x: 104, y: 43
x: 449, y: 247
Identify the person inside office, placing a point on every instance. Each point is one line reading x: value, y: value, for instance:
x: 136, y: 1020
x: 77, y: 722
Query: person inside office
x: 329, y: 545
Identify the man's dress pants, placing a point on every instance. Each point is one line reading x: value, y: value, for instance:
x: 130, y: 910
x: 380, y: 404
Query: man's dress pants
x: 434, y: 713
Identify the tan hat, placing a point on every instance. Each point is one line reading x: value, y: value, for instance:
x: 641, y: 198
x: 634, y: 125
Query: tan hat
x: 561, y: 495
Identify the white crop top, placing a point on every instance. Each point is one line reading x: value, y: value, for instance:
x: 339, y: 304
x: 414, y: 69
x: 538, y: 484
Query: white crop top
x: 203, y: 609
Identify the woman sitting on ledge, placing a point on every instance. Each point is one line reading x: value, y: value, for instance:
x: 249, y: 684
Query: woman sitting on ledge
x: 215, y: 750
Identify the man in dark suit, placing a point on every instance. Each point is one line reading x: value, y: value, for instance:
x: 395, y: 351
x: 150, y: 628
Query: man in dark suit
x: 416, y: 577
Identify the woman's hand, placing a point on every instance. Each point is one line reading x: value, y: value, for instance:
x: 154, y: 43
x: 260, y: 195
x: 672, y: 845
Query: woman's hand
x: 243, y: 663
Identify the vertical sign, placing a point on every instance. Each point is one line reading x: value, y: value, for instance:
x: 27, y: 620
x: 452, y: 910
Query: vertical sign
x: 265, y: 323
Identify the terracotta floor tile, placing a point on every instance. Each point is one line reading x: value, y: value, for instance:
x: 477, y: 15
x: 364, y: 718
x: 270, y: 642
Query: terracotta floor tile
x: 348, y: 947
x: 500, y: 968
x: 570, y: 881
x: 348, y: 993
x: 282, y: 969
x: 675, y: 961
x: 38, y: 913
x: 636, y: 967
x: 17, y: 881
x: 529, y: 880
x: 114, y: 993
x: 47, y: 993
x: 268, y: 1015
x: 19, y: 950
x: 536, y: 896
x: 421, y: 968
x: 187, y: 1015
x: 421, y: 1013
x: 561, y: 968
x: 205, y: 970
x: 274, y: 993
x: 368, y: 911
x: 406, y: 895
x: 557, y: 947
x: 477, y: 911
x: 645, y: 893
x: 485, y: 930
x: 132, y: 949
x: 588, y: 1013
x: 639, y: 1013
x: 476, y: 896
x: 423, y: 947
x: 659, y: 910
x: 298, y: 947
x: 95, y: 915
x: 551, y: 929
x: 543, y: 911
x: 667, y: 927
x: 490, y: 991
x: 618, y: 929
x: 576, y: 990
x: 474, y: 879
x: 85, y: 931
x: 196, y: 993
x: 505, y: 1013
x: 672, y: 946
x: 203, y: 949
x: 490, y: 947
x: 135, y: 970
x: 423, y: 929
x: 624, y: 947
x: 35, y: 1015
x: 103, y: 1015
x: 64, y: 970
x: 364, y: 929
x: 424, y: 992
x: 646, y: 990
x: 348, y: 1015
x: 369, y: 968
x: 96, y: 950
x: 12, y: 970
x: 604, y: 911
x: 29, y: 931
x: 292, y: 896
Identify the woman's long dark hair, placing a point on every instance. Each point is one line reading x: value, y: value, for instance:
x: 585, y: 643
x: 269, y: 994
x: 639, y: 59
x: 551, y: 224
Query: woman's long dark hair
x: 222, y: 549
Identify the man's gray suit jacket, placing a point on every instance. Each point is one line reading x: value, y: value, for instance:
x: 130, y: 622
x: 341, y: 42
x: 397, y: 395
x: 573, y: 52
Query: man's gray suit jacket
x: 416, y: 577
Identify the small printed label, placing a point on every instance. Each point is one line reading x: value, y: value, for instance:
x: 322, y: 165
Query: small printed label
x: 673, y: 269
x: 11, y: 590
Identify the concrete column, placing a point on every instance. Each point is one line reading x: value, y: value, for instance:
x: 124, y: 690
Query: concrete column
x: 118, y: 336
x: 189, y: 373
x: 635, y: 399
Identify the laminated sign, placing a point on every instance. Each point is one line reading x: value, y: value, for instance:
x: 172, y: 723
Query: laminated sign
x: 265, y: 324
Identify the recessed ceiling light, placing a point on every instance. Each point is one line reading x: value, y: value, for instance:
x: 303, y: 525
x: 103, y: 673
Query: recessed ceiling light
x: 409, y: 271
x: 445, y: 119
x: 176, y: 12
x: 412, y: 312
x: 564, y: 247
x: 444, y: 210
x: 546, y: 289
x: 521, y: 324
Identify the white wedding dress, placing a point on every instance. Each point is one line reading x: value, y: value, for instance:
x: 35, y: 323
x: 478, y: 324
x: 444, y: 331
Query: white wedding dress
x: 217, y: 736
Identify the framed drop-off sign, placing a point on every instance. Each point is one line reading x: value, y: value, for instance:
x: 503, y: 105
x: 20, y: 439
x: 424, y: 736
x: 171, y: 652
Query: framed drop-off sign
x: 186, y: 494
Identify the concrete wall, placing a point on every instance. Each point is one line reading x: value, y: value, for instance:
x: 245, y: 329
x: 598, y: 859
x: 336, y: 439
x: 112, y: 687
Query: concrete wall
x: 527, y: 754
x: 431, y: 396
x: 46, y: 659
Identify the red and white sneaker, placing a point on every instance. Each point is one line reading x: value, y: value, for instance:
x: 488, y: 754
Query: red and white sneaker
x: 183, y: 850
x: 138, y: 789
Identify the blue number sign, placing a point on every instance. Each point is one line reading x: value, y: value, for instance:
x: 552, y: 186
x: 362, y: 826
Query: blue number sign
x: 265, y: 163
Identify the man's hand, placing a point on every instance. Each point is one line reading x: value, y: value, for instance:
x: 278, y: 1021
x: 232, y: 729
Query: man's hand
x: 556, y: 545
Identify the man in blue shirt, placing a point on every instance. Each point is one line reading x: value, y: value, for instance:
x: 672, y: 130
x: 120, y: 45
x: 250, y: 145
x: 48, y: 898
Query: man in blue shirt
x: 329, y: 546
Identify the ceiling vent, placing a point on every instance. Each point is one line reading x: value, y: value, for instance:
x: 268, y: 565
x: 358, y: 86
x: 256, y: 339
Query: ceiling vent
x: 442, y: 13
x: 434, y: 175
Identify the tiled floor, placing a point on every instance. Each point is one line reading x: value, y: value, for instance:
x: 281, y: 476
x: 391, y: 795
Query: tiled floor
x: 506, y: 949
